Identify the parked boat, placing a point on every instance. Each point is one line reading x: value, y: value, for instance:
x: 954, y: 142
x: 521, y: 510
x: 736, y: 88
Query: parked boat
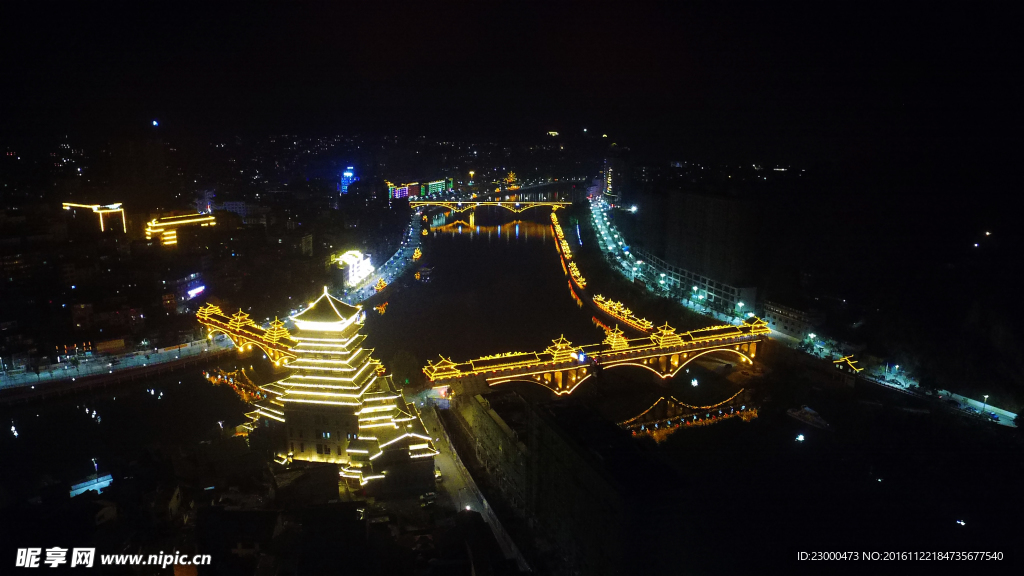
x: 808, y: 416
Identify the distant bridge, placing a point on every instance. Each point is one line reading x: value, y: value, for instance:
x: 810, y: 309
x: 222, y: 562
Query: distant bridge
x: 561, y: 367
x: 517, y: 207
x: 276, y: 341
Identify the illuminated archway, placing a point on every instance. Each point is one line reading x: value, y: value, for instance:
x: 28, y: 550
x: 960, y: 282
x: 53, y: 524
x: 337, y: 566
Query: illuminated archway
x: 743, y: 357
x: 667, y: 375
x: 242, y: 344
x: 541, y: 382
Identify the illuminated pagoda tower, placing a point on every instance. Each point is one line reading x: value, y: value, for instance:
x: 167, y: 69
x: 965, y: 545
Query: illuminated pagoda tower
x: 339, y: 406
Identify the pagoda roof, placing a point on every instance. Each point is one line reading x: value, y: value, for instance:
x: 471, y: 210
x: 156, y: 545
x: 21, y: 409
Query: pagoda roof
x: 327, y: 308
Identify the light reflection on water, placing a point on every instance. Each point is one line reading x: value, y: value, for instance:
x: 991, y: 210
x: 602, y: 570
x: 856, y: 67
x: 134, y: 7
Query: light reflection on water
x: 496, y: 285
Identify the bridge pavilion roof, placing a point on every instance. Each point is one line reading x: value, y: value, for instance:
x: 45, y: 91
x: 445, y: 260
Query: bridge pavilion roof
x: 327, y: 309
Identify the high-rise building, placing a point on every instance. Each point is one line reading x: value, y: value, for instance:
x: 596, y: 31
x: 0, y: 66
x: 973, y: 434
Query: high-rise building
x: 400, y: 191
x: 348, y: 176
x: 703, y: 247
x: 615, y: 180
x: 436, y: 187
x: 339, y: 406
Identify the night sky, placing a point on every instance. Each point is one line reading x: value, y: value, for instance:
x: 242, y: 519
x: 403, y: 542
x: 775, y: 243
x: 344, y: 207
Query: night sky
x: 919, y: 88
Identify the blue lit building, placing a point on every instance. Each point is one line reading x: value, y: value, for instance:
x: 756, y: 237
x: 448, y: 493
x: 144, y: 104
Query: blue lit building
x: 347, y: 177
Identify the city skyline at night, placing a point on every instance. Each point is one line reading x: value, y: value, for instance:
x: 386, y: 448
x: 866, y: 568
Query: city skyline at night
x: 508, y: 288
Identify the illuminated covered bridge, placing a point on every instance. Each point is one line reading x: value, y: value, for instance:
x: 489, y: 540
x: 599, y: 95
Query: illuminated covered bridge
x: 517, y: 207
x: 275, y: 341
x: 561, y: 367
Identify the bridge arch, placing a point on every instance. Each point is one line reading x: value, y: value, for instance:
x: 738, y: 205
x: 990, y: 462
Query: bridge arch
x: 667, y: 375
x: 740, y: 353
x: 540, y: 382
x: 244, y: 343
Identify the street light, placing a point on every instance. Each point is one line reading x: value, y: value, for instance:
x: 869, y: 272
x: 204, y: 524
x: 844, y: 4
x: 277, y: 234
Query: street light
x: 985, y: 405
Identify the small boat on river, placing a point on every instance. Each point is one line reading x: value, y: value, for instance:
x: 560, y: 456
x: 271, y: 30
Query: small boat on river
x: 809, y: 416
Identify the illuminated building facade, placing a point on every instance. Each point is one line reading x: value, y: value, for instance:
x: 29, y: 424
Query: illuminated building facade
x: 110, y: 215
x: 348, y: 176
x: 437, y: 187
x: 400, y: 191
x: 416, y: 189
x: 356, y: 267
x: 339, y: 406
x: 165, y: 229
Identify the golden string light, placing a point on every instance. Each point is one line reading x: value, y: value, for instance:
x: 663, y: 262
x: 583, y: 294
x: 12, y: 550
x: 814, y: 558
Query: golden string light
x: 574, y: 271
x: 677, y: 402
x: 166, y: 228
x: 661, y: 433
x: 618, y: 310
x: 334, y: 374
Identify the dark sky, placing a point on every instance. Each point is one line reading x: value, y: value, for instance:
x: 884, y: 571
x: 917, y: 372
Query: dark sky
x: 819, y: 83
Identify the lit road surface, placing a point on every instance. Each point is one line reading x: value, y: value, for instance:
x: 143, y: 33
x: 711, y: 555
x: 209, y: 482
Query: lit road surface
x: 105, y: 364
x: 1005, y: 417
x: 454, y: 483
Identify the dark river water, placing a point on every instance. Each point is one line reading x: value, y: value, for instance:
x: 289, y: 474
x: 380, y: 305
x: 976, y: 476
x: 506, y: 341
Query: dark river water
x: 495, y: 286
